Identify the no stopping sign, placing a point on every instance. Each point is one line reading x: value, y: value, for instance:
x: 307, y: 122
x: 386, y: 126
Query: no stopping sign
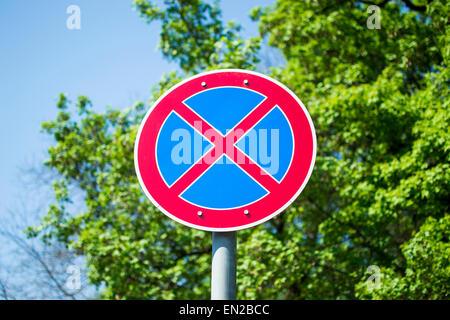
x: 225, y: 150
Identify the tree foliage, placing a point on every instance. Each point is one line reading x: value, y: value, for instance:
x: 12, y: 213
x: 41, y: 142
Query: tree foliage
x: 379, y: 191
x: 194, y: 35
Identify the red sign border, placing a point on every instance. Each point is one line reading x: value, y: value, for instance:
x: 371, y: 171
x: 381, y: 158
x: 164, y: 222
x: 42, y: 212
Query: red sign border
x: 251, y: 76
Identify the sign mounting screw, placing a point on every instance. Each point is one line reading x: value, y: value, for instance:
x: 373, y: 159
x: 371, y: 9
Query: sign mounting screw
x: 246, y: 82
x: 246, y: 212
x: 204, y: 84
x: 200, y: 214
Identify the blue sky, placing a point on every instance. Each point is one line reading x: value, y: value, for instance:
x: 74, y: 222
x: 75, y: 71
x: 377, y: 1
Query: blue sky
x: 113, y: 60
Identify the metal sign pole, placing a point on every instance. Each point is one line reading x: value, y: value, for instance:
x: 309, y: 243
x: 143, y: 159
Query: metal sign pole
x: 223, y: 267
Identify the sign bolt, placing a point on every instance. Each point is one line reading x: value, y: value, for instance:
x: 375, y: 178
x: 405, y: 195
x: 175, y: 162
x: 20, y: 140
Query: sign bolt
x: 204, y: 84
x: 246, y: 212
x: 200, y: 213
x: 246, y: 82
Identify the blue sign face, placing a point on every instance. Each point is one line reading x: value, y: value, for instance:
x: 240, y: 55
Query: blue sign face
x: 180, y: 145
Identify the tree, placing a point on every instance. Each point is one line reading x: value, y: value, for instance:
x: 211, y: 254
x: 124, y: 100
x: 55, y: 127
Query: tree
x: 29, y: 268
x: 379, y: 191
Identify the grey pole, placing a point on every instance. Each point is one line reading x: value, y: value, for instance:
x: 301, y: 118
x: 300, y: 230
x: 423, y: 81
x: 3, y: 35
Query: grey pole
x: 223, y: 267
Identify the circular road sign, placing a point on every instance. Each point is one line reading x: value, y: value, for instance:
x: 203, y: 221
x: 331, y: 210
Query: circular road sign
x: 225, y: 150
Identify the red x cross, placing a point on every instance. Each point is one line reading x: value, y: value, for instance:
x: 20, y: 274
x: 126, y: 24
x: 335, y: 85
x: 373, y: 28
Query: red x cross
x: 227, y: 147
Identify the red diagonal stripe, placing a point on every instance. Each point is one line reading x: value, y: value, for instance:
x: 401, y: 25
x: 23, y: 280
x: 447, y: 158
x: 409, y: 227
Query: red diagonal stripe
x: 252, y: 118
x: 195, y: 171
x: 253, y: 169
x: 192, y: 118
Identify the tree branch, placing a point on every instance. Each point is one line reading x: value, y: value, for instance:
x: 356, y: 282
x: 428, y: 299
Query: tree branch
x: 381, y: 4
x: 414, y: 7
x: 4, y: 292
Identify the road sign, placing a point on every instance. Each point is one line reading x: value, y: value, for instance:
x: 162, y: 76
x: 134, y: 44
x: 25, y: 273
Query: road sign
x: 225, y: 150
